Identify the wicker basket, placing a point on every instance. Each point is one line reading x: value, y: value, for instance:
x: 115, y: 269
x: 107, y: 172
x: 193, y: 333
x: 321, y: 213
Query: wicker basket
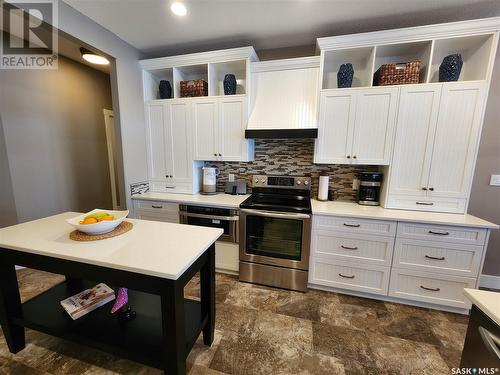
x: 396, y: 74
x: 196, y: 87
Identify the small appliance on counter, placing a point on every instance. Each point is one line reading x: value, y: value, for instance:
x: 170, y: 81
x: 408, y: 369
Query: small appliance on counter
x: 369, y: 188
x: 210, y: 180
x: 323, y: 184
x: 238, y: 187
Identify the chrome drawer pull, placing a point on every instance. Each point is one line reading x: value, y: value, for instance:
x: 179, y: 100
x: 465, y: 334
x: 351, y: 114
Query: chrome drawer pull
x: 425, y: 203
x: 352, y: 225
x: 347, y: 277
x: 435, y: 258
x: 439, y: 233
x: 156, y: 206
x: 431, y: 289
x: 348, y: 247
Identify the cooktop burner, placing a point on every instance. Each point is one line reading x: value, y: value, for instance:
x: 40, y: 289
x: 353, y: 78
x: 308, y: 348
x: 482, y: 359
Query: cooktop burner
x: 280, y: 193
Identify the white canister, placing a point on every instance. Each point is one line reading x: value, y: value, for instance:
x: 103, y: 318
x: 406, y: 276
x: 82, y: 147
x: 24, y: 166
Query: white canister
x: 210, y: 179
x: 324, y: 180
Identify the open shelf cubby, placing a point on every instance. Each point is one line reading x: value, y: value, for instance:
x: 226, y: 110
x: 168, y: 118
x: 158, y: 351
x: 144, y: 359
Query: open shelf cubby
x: 152, y: 80
x: 404, y: 52
x: 475, y: 51
x: 187, y: 73
x: 361, y: 60
x: 217, y: 72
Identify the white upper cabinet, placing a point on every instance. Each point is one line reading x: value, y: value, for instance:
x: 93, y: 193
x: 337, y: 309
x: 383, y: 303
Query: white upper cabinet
x: 417, y: 118
x: 436, y: 146
x: 205, y: 121
x: 374, y: 125
x: 233, y: 116
x: 356, y: 126
x: 456, y: 140
x: 156, y: 138
x: 336, y: 124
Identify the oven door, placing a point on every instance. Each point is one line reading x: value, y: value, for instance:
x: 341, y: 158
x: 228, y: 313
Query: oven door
x: 275, y: 238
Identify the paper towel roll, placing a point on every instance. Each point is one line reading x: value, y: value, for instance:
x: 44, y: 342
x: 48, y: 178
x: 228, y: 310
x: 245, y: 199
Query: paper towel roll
x: 323, y: 188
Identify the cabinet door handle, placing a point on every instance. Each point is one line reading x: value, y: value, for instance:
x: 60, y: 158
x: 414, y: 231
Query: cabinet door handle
x: 424, y: 188
x: 431, y: 289
x: 352, y: 225
x: 354, y: 157
x: 435, y: 258
x: 348, y: 247
x: 431, y: 189
x: 425, y: 203
x: 439, y: 233
x: 215, y: 154
x: 347, y: 277
x: 348, y: 156
x: 220, y: 154
x: 153, y: 206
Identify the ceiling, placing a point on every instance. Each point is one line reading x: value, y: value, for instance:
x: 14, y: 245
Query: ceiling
x: 149, y: 25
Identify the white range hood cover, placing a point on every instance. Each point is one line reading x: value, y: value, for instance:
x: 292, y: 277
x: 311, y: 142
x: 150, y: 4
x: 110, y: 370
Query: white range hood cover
x: 284, y: 94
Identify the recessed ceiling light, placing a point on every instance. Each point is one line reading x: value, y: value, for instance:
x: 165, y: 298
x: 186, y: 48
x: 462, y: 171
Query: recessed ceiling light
x: 93, y: 58
x: 178, y: 8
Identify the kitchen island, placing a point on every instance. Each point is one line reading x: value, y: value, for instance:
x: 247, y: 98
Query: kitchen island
x: 154, y: 260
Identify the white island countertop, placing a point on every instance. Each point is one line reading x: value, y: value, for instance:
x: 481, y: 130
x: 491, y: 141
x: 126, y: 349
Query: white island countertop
x: 488, y: 302
x: 217, y: 200
x: 152, y: 248
x: 352, y: 209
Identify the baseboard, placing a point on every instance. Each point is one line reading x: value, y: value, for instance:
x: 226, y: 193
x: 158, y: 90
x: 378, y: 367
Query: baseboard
x: 489, y: 281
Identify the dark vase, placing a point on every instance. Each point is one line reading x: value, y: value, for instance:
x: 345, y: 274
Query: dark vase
x: 165, y: 89
x: 450, y: 68
x: 344, y: 75
x: 229, y: 84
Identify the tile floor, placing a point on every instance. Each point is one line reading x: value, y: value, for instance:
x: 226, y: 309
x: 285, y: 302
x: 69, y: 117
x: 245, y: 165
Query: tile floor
x: 261, y: 330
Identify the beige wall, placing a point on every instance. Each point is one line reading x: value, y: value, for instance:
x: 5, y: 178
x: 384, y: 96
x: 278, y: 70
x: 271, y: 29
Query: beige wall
x: 8, y: 215
x: 55, y: 139
x: 485, y: 199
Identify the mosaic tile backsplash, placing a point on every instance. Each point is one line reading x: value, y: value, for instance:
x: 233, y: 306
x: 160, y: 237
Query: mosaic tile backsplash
x: 291, y: 157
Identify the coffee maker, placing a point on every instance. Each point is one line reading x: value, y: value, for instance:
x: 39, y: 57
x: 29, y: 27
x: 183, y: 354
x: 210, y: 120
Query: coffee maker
x: 369, y: 188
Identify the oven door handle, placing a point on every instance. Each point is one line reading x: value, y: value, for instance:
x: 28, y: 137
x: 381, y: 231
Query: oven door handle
x: 275, y: 214
x: 213, y: 217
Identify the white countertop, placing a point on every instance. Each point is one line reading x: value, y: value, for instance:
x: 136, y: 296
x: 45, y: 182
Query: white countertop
x: 217, y: 200
x: 153, y: 248
x: 352, y: 209
x: 488, y: 302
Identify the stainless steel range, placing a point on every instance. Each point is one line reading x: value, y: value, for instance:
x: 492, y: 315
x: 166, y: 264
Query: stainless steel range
x: 275, y: 232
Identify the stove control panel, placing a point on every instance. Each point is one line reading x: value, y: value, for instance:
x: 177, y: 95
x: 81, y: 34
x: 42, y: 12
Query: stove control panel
x: 282, y: 182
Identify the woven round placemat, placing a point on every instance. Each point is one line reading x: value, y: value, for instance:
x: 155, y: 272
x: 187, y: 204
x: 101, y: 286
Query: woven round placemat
x: 124, y: 227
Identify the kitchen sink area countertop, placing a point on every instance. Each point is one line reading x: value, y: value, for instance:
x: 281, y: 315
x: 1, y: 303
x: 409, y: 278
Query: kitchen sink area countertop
x: 353, y: 209
x: 487, y: 301
x: 217, y: 200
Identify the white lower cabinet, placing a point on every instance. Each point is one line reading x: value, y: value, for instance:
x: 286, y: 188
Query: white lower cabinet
x: 430, y: 287
x: 423, y: 263
x: 350, y: 275
x: 156, y: 211
x: 227, y: 257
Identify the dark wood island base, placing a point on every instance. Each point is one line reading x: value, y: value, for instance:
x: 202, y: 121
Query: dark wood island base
x: 162, y: 334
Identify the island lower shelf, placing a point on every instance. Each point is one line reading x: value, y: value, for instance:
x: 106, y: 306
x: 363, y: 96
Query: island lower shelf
x: 140, y: 339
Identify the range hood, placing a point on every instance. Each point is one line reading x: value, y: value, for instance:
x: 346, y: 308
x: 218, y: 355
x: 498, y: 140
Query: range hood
x: 284, y: 99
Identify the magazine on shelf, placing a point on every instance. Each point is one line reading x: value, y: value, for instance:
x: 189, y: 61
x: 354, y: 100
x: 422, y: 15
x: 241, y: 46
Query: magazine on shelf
x: 88, y: 300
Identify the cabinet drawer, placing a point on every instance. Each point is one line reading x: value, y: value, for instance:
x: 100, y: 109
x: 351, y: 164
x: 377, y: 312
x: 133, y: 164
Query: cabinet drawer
x: 428, y: 287
x: 354, y: 225
x: 156, y: 216
x: 438, y: 257
x: 171, y: 187
x: 408, y: 202
x: 445, y: 233
x: 349, y: 275
x: 353, y: 247
x: 157, y: 206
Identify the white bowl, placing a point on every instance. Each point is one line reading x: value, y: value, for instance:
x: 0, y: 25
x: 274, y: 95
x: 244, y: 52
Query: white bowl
x: 100, y: 227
